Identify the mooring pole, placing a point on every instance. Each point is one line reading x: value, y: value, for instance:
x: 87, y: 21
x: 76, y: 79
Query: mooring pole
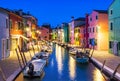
x: 18, y: 59
x: 24, y: 58
x: 115, y: 72
x: 3, y: 75
x: 103, y: 65
x: 21, y: 55
x: 33, y: 49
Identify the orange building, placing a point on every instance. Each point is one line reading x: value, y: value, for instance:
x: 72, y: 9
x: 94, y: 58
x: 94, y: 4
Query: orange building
x: 16, y: 32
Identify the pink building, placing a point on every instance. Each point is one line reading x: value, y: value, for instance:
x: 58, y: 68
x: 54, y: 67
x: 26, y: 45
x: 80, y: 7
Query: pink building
x: 44, y: 33
x: 72, y: 26
x: 98, y: 29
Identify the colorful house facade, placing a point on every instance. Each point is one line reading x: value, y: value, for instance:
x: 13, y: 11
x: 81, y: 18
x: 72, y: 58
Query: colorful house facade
x: 98, y: 30
x: 79, y: 34
x: 4, y: 33
x: 66, y: 32
x: 72, y: 25
x: 86, y: 33
x: 114, y: 27
x: 16, y: 30
x: 54, y: 34
x: 44, y: 33
x: 60, y: 34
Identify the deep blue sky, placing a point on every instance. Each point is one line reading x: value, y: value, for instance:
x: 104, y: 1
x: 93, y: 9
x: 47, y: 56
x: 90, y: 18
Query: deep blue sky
x: 56, y: 11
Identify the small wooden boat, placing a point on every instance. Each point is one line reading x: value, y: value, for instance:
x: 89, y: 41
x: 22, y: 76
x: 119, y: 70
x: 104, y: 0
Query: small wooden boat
x: 82, y: 59
x: 34, y: 68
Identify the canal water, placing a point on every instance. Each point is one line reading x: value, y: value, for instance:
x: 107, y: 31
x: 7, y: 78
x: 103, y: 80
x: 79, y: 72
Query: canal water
x: 62, y: 67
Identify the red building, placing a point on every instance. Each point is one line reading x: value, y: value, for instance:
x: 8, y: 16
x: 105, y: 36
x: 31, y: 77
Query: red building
x: 86, y: 33
x: 44, y: 33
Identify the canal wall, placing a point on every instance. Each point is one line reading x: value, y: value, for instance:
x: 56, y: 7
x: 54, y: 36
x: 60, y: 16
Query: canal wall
x: 105, y: 69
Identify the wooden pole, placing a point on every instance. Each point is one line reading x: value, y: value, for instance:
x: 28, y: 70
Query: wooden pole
x: 21, y: 55
x: 3, y: 75
x: 103, y: 65
x: 24, y: 58
x: 33, y: 49
x: 18, y: 59
x: 115, y: 72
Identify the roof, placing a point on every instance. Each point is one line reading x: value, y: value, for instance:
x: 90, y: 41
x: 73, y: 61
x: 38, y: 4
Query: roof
x: 80, y: 18
x: 4, y: 10
x: 112, y: 3
x: 101, y: 11
x: 80, y: 24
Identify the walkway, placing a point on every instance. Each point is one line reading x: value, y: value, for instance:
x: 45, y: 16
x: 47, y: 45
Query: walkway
x: 10, y: 66
x: 112, y: 61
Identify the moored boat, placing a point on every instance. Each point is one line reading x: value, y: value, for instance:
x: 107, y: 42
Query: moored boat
x: 82, y: 59
x: 34, y: 69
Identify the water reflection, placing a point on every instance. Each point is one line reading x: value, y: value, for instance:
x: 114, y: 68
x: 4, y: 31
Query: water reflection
x: 98, y: 76
x: 72, y: 67
x: 59, y: 59
x: 62, y: 67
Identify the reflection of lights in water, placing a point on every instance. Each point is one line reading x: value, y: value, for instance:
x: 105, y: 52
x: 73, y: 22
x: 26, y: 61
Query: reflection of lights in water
x: 59, y: 58
x: 52, y: 63
x: 72, y: 67
x: 97, y: 76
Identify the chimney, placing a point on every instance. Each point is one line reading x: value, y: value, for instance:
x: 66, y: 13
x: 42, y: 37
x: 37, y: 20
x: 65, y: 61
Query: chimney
x: 20, y: 12
x: 72, y: 18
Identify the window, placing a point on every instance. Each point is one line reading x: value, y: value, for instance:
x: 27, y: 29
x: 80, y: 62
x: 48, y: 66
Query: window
x: 96, y: 29
x: 19, y: 26
x: 93, y: 30
x: 7, y: 22
x: 110, y: 44
x: 11, y: 24
x: 119, y: 45
x: 90, y: 30
x: 78, y: 30
x: 111, y: 26
x: 96, y: 17
x: 111, y: 12
x: 7, y: 45
x: 90, y: 18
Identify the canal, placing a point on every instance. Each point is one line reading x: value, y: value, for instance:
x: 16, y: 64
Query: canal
x: 62, y: 67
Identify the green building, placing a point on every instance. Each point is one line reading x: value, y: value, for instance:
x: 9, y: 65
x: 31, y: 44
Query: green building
x: 54, y: 34
x: 66, y: 32
x: 114, y: 27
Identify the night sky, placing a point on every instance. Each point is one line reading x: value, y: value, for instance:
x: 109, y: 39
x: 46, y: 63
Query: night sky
x: 56, y: 11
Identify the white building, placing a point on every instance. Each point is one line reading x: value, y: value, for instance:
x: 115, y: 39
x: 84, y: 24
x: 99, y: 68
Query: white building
x: 4, y: 34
